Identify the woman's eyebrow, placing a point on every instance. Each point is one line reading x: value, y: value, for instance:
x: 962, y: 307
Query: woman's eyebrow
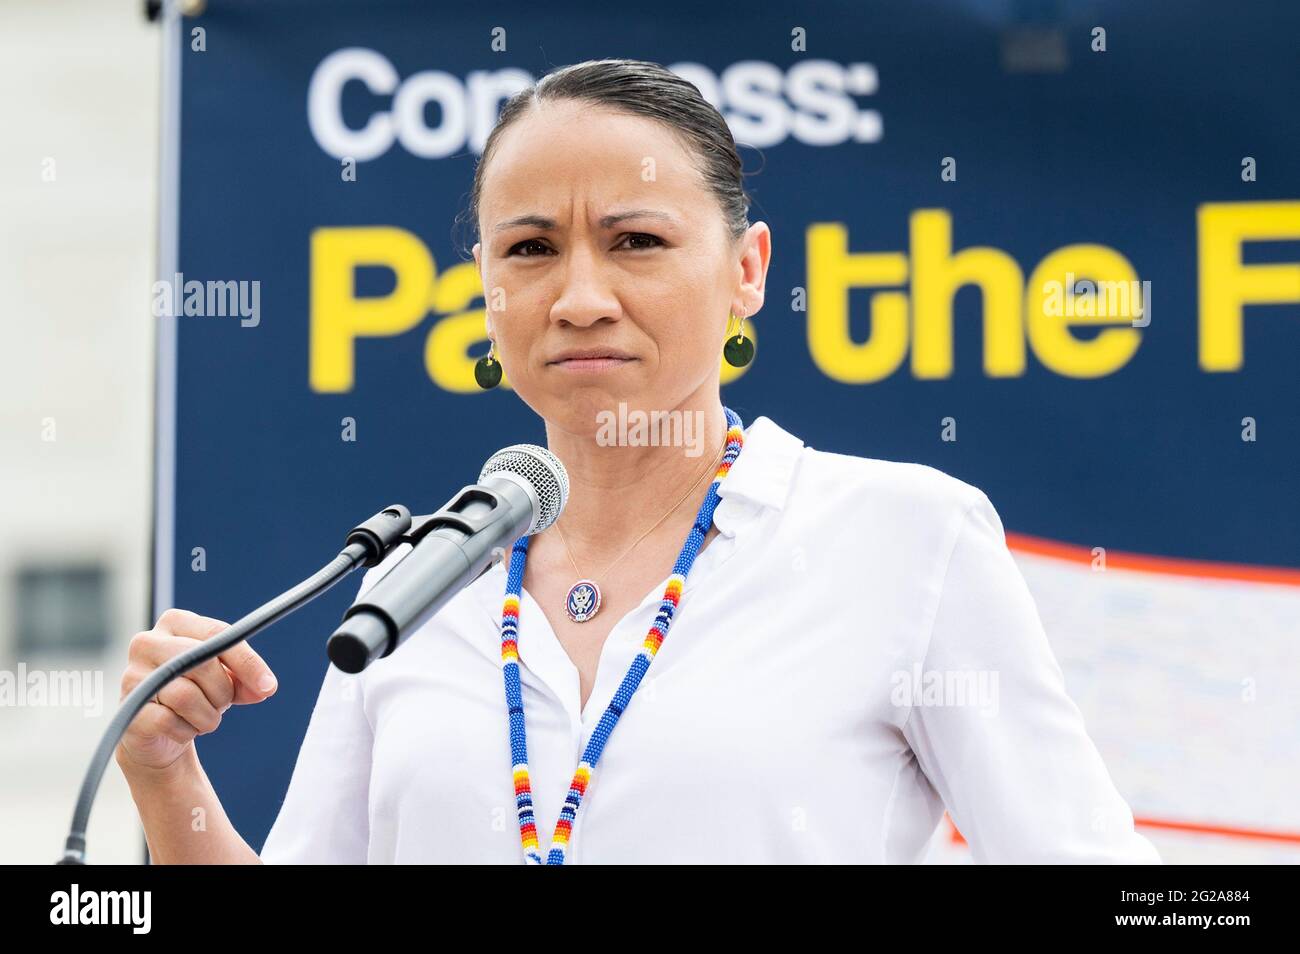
x: 606, y: 222
x: 536, y: 221
x: 610, y: 221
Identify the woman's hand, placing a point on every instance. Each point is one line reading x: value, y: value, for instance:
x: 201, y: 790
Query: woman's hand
x: 193, y: 703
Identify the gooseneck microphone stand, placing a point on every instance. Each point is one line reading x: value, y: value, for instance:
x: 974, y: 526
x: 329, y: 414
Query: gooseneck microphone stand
x: 367, y: 544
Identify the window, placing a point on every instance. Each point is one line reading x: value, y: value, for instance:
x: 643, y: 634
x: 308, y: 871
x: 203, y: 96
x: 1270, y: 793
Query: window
x: 62, y: 608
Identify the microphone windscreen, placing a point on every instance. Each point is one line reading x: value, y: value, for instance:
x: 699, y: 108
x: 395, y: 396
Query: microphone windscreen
x: 538, y: 469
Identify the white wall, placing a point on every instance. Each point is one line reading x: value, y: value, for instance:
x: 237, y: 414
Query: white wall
x: 80, y: 82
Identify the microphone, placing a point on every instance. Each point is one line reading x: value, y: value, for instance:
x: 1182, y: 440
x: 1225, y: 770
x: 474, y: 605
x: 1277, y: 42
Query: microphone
x: 521, y: 490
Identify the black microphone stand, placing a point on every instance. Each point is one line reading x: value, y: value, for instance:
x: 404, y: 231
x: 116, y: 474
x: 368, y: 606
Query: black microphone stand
x: 367, y: 544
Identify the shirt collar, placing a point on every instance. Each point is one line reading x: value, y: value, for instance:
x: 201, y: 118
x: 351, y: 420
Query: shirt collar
x: 759, y: 480
x: 760, y: 477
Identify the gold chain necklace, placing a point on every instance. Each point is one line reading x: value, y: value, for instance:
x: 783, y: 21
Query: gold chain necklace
x: 582, y: 602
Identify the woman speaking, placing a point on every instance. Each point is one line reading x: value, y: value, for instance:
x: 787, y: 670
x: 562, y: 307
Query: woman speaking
x: 744, y: 650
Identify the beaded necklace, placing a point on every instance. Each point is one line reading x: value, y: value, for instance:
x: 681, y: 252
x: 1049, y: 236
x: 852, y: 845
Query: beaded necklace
x: 653, y: 640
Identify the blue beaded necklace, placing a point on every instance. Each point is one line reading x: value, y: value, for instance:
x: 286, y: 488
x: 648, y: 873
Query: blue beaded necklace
x: 609, y: 718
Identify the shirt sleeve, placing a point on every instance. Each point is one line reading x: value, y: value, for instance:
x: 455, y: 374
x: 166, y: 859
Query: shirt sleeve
x: 1008, y: 752
x: 325, y: 816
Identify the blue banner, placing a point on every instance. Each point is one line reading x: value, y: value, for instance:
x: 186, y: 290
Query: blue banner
x: 1051, y: 249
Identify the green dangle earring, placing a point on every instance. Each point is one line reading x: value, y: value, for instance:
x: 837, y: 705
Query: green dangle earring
x: 487, y: 369
x: 738, y: 350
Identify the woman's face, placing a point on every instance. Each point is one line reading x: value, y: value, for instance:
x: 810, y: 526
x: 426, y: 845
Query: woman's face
x: 599, y: 233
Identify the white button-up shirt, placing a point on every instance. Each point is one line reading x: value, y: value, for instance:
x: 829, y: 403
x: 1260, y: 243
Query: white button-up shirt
x: 853, y: 652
